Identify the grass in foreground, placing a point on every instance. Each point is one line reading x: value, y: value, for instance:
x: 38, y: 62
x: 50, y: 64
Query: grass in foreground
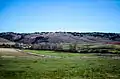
x: 59, y: 68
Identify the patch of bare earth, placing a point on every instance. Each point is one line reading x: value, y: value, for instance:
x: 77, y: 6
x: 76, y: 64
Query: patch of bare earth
x: 11, y: 52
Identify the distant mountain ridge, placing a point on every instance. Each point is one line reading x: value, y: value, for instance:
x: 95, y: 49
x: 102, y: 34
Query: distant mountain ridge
x: 60, y: 37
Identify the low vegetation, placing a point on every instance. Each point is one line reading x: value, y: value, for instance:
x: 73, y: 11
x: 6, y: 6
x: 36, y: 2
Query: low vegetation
x: 69, y: 47
x: 62, y: 66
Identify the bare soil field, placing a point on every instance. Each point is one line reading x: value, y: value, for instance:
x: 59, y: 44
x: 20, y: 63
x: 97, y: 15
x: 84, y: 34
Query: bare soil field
x: 11, y: 52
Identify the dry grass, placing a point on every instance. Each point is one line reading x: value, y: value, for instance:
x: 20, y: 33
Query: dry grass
x: 11, y: 52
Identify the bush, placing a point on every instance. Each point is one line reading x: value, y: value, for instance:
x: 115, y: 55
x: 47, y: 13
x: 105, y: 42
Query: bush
x: 93, y: 51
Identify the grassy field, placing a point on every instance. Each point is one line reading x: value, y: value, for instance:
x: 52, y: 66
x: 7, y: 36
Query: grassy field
x: 59, y: 65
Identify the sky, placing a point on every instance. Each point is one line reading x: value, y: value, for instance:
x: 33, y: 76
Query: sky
x: 60, y: 15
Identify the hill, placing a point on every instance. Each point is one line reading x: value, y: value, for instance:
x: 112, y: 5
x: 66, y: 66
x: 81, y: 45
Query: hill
x: 60, y: 37
x: 5, y: 41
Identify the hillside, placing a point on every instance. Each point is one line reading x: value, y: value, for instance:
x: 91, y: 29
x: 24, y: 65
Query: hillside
x: 60, y: 37
x: 5, y: 41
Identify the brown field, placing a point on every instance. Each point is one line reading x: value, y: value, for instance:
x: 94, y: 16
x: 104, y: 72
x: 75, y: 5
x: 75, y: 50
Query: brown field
x: 11, y: 52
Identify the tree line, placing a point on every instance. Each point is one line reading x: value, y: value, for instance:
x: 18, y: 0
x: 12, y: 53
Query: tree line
x: 71, y: 47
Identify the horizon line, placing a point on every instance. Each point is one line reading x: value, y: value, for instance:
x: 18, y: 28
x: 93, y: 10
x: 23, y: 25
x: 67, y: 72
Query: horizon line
x: 58, y: 31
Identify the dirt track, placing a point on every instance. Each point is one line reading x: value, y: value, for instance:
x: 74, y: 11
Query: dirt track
x: 11, y: 53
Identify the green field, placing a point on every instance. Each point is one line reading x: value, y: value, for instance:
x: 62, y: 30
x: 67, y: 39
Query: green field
x: 59, y: 65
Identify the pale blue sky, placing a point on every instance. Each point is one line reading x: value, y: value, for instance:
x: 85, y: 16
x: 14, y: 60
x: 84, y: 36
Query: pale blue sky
x: 60, y: 15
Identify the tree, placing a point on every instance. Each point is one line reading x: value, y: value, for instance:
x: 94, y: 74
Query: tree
x: 73, y: 47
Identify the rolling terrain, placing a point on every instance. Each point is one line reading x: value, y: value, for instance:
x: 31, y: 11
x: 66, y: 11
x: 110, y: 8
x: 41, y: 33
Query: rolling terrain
x: 5, y: 41
x: 60, y: 37
x: 16, y: 65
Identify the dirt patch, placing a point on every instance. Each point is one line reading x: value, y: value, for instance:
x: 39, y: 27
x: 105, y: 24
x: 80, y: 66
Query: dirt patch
x: 11, y: 52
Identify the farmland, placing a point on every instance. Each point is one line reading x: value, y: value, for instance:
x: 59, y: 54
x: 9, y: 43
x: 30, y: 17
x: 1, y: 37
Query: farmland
x: 57, y: 65
x: 10, y: 52
x: 59, y: 39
